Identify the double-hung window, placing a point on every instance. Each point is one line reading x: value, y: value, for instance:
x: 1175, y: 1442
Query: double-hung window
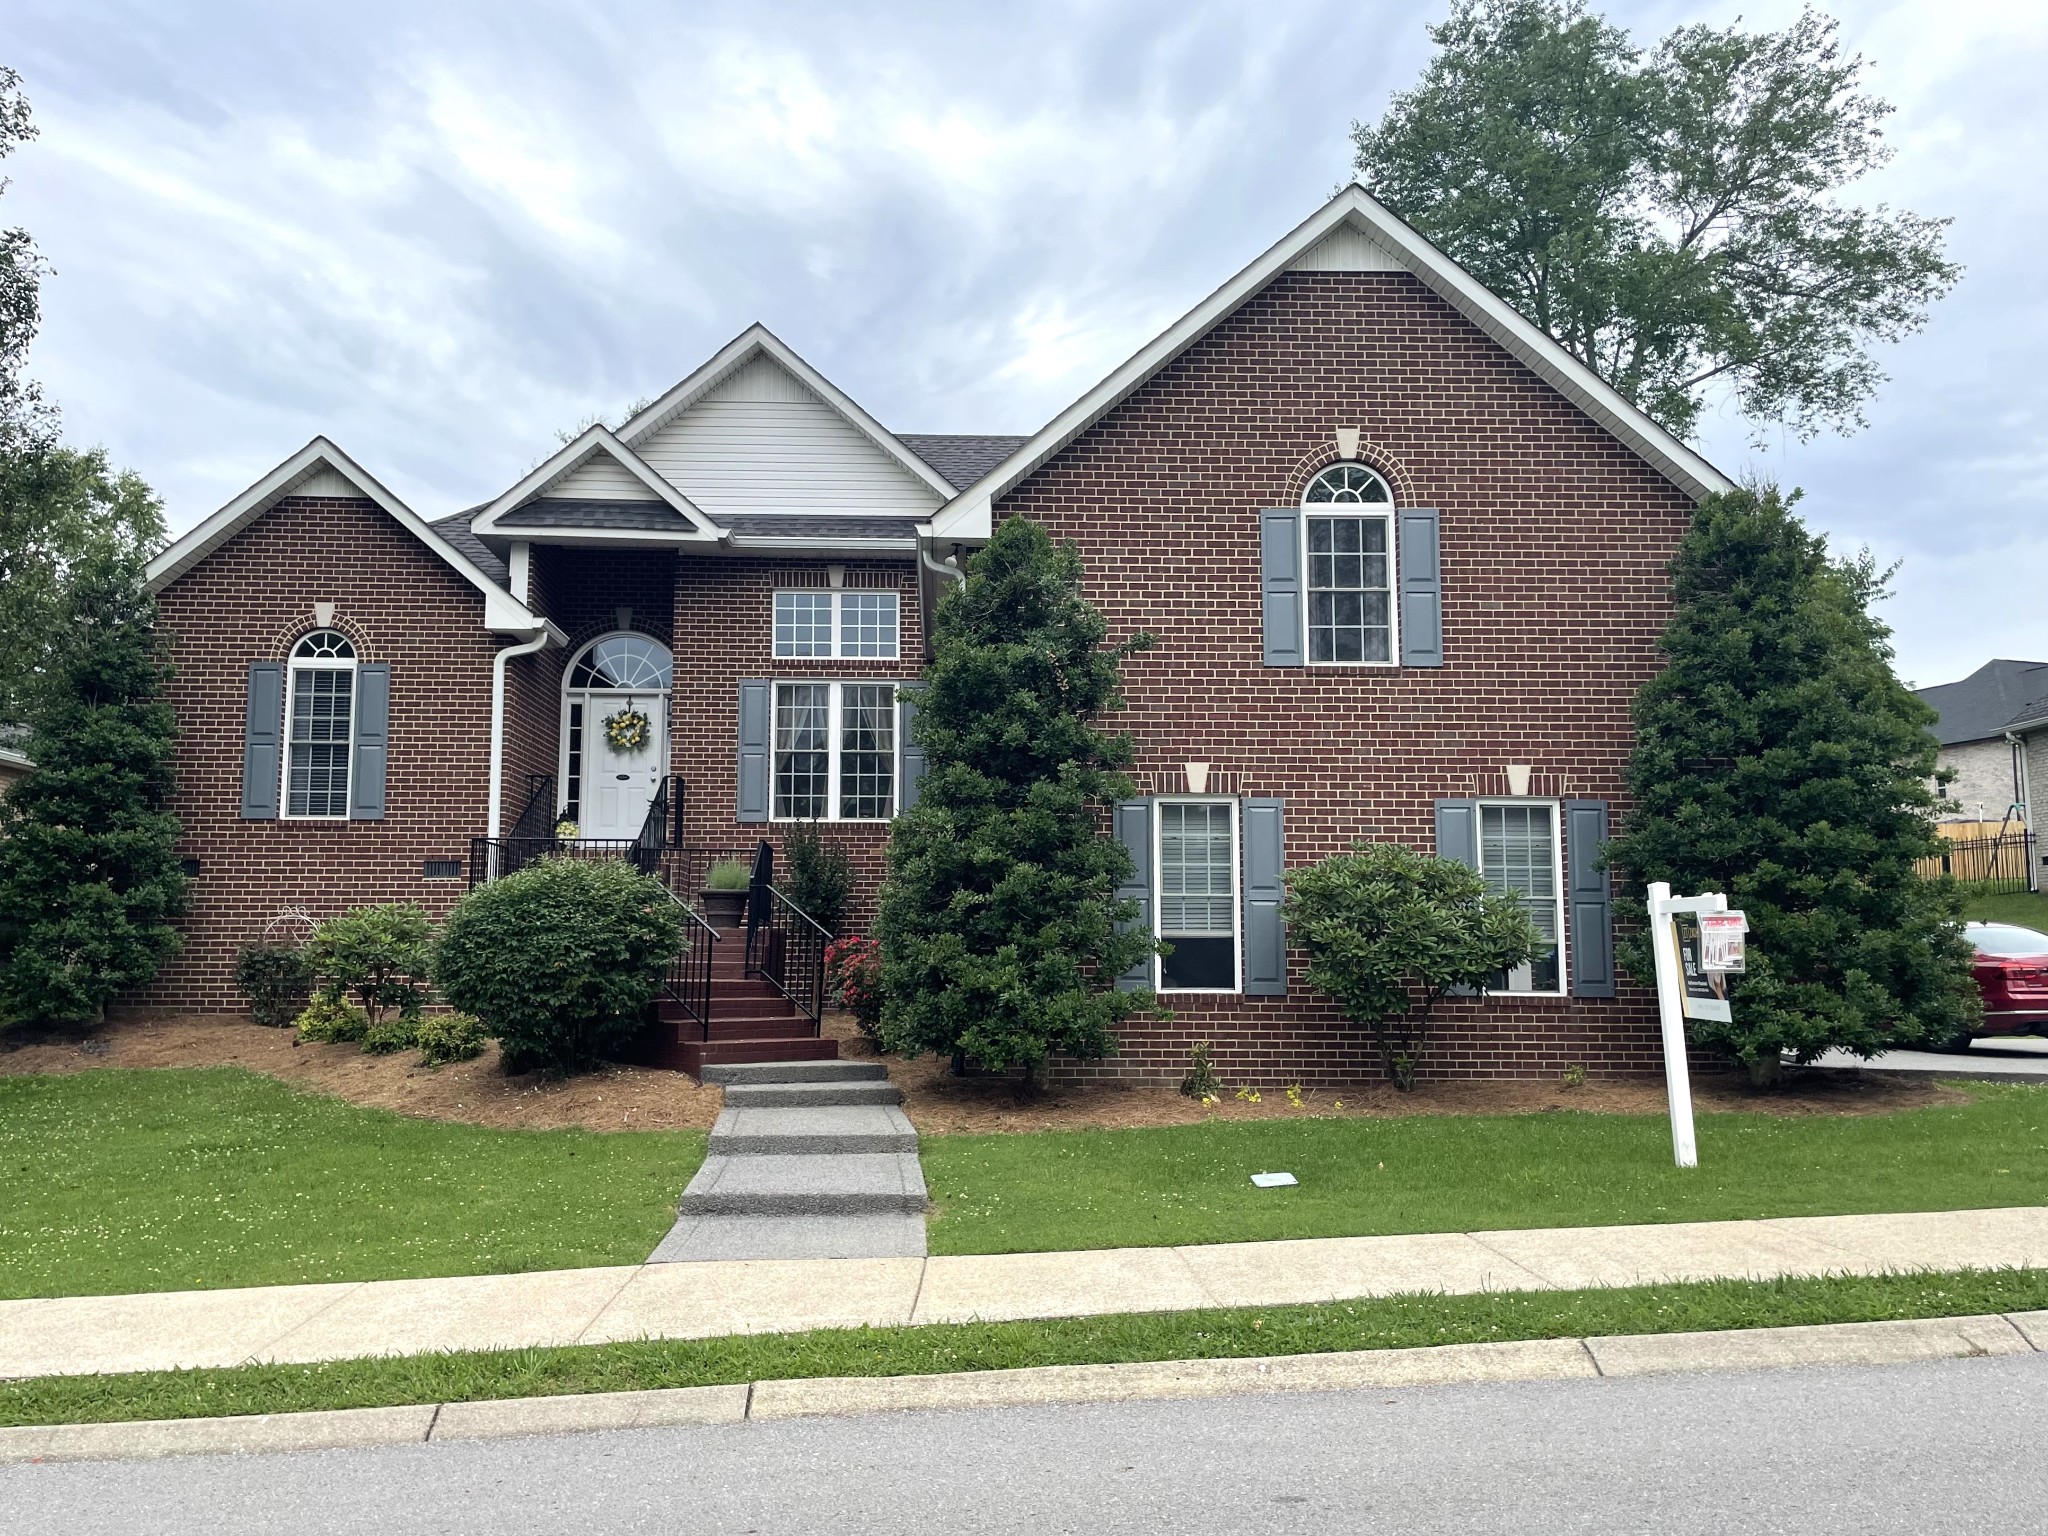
x: 835, y: 751
x: 1198, y: 908
x: 1347, y: 527
x: 319, y: 720
x: 1518, y: 856
x: 854, y: 624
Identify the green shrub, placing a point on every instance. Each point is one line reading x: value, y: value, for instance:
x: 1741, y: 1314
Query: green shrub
x: 388, y: 1036
x: 1390, y: 931
x: 328, y: 1018
x: 820, y: 875
x: 1201, y: 1082
x: 446, y: 1037
x: 276, y: 978
x: 727, y: 875
x: 561, y: 960
x: 381, y: 954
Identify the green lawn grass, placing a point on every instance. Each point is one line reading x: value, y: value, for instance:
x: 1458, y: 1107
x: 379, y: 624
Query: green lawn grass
x: 115, y: 1181
x: 2029, y: 909
x: 1440, y: 1173
x: 1394, y: 1322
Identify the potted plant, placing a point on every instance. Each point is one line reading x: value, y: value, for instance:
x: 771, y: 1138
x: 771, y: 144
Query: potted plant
x: 724, y: 895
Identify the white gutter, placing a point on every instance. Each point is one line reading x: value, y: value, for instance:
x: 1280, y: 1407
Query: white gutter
x: 526, y: 648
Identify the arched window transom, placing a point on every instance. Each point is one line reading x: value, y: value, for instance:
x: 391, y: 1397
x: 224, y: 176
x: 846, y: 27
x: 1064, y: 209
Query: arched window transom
x: 1347, y: 483
x: 623, y: 661
x: 324, y: 645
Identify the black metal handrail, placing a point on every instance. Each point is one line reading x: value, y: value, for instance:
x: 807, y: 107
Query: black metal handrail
x: 786, y: 948
x: 688, y: 980
x: 537, y: 816
x: 681, y: 869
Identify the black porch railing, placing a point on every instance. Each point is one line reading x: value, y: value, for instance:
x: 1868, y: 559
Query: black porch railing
x: 785, y: 945
x: 688, y: 981
x: 681, y: 869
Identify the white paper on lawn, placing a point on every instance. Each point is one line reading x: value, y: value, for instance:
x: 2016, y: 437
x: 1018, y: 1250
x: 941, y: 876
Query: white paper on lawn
x: 1274, y: 1180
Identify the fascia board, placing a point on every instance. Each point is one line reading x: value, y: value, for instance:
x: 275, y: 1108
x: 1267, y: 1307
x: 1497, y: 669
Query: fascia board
x: 642, y: 538
x: 969, y: 514
x: 758, y: 340
x: 15, y: 759
x: 842, y: 546
x: 502, y: 611
x: 498, y: 518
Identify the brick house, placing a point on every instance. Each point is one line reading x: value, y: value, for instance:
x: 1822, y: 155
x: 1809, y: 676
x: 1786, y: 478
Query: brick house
x: 1404, y: 556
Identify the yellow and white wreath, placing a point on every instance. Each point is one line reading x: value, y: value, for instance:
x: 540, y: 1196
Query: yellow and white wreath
x: 627, y: 730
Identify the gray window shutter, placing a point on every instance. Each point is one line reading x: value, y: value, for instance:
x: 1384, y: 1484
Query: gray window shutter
x: 1265, y: 937
x: 910, y: 756
x: 1592, y: 898
x: 1422, y: 590
x: 757, y: 726
x: 1134, y: 831
x: 373, y: 741
x: 1457, y: 831
x: 1280, y: 585
x: 262, y: 741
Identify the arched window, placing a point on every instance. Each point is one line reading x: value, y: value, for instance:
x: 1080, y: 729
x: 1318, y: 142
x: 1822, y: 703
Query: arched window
x: 320, y: 721
x: 1347, y: 529
x: 623, y: 661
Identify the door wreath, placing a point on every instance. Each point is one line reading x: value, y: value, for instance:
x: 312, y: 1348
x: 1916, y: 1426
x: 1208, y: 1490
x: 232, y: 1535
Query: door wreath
x: 627, y: 730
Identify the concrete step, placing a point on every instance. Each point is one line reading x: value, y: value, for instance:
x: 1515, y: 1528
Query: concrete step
x: 812, y: 1132
x: 798, y: 1072
x: 794, y: 1095
x: 876, y: 1235
x: 850, y: 1184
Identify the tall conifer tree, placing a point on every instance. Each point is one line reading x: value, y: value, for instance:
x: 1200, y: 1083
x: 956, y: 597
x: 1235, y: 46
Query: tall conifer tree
x: 89, y: 876
x: 1001, y: 931
x: 1779, y: 759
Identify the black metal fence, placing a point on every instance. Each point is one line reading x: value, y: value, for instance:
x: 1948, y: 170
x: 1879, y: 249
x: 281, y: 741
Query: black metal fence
x: 2002, y: 863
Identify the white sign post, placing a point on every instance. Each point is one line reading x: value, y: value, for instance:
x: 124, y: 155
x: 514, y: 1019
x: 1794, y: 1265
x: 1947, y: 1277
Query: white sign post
x: 1671, y: 1010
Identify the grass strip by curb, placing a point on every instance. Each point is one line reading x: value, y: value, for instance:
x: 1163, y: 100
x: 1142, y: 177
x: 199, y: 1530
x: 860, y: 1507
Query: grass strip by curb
x: 1396, y: 1322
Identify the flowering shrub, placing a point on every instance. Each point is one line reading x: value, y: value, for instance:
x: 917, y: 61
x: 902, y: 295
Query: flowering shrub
x: 853, y: 970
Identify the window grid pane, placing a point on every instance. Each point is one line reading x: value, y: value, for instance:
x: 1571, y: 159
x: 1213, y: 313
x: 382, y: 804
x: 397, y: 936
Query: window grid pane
x: 867, y: 624
x: 1349, y: 601
x: 1517, y: 856
x: 317, y: 780
x: 867, y: 746
x: 802, y: 750
x: 572, y: 806
x: 1195, y: 859
x: 803, y: 624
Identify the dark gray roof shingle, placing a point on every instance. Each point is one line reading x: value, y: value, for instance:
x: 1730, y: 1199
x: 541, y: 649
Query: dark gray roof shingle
x: 808, y: 525
x: 456, y: 531
x: 1988, y: 700
x: 962, y: 458
x: 642, y: 516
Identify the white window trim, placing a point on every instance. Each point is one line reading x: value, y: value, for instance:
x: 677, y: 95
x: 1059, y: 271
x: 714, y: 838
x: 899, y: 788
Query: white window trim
x: 1556, y: 807
x: 1236, y: 894
x: 837, y: 596
x: 1354, y: 509
x: 834, y: 735
x: 294, y: 668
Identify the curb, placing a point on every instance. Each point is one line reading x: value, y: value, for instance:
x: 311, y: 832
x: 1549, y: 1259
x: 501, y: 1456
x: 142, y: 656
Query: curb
x: 1620, y: 1357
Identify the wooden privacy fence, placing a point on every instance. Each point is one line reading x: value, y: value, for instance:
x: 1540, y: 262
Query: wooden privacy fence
x: 1992, y: 863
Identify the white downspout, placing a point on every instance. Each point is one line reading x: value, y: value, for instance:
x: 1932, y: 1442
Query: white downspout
x: 948, y: 569
x: 498, y: 723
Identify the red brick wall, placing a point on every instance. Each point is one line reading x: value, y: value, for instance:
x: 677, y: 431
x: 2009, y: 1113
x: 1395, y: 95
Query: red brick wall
x: 1554, y: 542
x: 251, y: 600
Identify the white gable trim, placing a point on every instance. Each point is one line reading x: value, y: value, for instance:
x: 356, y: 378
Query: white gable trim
x: 970, y: 515
x: 504, y: 512
x: 315, y: 466
x: 758, y: 341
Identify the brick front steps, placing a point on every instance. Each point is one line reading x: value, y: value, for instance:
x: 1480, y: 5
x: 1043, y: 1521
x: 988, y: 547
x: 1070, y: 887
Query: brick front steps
x: 750, y: 1022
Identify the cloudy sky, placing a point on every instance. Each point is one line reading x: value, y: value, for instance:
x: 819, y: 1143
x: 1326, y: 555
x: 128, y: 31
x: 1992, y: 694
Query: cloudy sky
x: 438, y: 232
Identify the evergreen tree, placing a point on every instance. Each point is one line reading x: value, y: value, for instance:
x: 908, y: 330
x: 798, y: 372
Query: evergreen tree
x: 89, y: 877
x: 999, y: 918
x: 1779, y: 759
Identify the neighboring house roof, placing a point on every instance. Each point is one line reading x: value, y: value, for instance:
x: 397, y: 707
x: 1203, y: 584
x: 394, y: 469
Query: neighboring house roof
x: 962, y: 457
x: 1354, y: 231
x: 14, y: 763
x: 1996, y: 697
x: 321, y: 468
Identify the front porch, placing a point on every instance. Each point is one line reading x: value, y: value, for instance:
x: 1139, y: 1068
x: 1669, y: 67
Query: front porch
x: 747, y: 986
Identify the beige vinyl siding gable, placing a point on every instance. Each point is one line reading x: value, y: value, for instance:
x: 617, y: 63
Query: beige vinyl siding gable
x: 600, y: 478
x: 761, y: 442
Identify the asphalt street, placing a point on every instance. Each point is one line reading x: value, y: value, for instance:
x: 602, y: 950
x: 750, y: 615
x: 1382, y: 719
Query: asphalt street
x: 1927, y: 1448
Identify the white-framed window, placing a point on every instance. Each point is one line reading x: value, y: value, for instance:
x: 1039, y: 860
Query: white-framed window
x: 320, y: 727
x: 1347, y: 535
x: 1521, y: 855
x: 859, y: 623
x: 835, y: 751
x: 1196, y: 859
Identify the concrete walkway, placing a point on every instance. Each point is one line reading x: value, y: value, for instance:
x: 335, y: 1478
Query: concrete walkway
x: 300, y: 1323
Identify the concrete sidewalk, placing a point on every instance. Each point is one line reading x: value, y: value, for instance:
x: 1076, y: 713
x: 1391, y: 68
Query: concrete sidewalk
x: 302, y: 1323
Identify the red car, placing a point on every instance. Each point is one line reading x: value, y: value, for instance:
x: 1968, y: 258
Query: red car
x: 2012, y: 973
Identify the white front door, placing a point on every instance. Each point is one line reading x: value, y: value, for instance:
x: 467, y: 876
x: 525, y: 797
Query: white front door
x: 618, y: 786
